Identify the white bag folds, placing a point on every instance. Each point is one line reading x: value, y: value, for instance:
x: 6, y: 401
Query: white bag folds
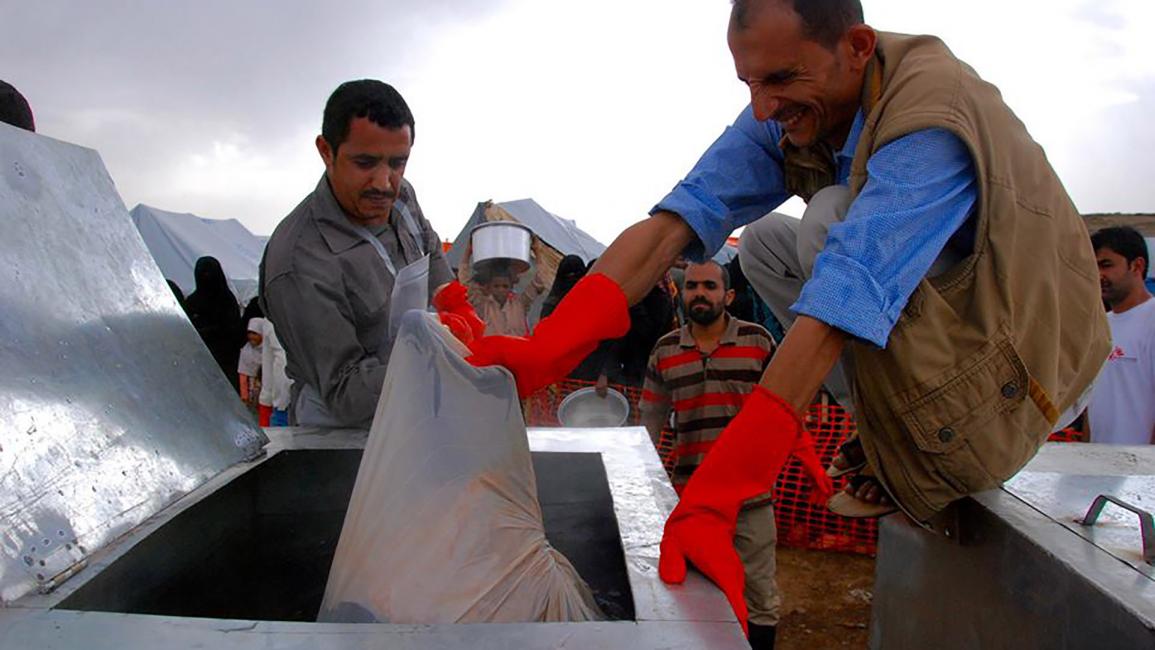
x: 444, y: 525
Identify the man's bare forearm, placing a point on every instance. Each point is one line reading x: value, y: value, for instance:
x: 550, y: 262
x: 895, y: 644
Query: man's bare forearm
x: 806, y: 356
x: 639, y: 256
x: 646, y: 250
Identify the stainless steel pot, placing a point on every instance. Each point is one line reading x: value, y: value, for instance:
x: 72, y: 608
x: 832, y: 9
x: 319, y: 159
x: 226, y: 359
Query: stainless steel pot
x: 501, y: 244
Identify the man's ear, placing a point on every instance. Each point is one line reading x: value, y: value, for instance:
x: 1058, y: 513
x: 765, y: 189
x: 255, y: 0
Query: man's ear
x: 325, y: 150
x: 861, y: 40
x: 729, y: 296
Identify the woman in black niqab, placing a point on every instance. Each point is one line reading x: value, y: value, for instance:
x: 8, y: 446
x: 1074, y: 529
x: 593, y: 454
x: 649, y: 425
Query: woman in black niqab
x: 215, y: 314
x: 569, y: 271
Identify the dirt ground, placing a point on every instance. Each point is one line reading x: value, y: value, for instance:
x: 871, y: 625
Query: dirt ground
x: 825, y: 599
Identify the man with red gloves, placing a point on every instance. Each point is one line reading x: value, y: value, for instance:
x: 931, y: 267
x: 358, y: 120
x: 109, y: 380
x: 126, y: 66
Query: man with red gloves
x: 939, y: 251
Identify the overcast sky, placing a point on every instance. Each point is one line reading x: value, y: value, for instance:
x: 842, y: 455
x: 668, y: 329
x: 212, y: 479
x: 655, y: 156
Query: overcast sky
x: 594, y: 108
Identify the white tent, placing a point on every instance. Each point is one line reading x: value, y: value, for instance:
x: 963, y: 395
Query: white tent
x: 726, y: 253
x: 176, y: 241
x: 563, y: 235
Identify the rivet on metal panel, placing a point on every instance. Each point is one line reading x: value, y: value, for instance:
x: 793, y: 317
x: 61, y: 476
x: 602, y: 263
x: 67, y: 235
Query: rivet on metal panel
x: 948, y: 522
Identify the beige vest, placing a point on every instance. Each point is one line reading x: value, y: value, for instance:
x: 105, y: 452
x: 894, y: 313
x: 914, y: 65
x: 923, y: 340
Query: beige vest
x: 985, y: 357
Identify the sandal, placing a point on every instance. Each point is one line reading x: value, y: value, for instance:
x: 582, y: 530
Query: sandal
x: 850, y: 455
x: 848, y: 504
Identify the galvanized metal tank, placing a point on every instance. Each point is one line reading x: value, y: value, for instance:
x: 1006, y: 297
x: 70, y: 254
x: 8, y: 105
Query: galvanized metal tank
x: 142, y: 506
x: 1022, y: 566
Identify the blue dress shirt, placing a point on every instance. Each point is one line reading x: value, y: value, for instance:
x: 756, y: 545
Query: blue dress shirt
x: 920, y: 191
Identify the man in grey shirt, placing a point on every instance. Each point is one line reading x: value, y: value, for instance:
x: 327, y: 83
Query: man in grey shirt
x: 329, y: 268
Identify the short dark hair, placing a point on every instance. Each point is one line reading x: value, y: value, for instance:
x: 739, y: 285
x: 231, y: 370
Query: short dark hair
x: 1125, y: 241
x: 14, y: 109
x: 823, y: 21
x: 376, y: 100
x: 722, y: 268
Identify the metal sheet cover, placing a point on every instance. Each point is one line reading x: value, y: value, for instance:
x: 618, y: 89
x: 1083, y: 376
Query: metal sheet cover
x: 110, y: 405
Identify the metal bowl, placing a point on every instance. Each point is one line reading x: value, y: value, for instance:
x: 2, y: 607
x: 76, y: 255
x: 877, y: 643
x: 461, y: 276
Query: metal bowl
x: 501, y: 244
x: 583, y: 408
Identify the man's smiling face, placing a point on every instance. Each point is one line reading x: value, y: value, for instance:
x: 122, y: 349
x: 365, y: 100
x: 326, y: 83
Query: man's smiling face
x: 811, y: 90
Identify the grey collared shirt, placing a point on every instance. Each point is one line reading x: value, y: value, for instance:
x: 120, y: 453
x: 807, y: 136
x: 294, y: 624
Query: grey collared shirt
x: 327, y: 292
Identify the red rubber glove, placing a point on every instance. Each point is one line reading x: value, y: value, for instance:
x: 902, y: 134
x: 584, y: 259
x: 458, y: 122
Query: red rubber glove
x: 457, y: 326
x: 805, y: 453
x: 595, y: 309
x: 743, y: 463
x: 453, y: 298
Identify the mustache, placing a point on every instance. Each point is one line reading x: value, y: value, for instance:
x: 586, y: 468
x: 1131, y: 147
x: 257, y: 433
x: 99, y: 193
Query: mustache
x: 785, y: 112
x: 701, y: 301
x: 374, y: 195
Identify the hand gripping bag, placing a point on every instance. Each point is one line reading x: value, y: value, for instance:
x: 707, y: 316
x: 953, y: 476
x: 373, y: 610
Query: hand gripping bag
x: 444, y: 525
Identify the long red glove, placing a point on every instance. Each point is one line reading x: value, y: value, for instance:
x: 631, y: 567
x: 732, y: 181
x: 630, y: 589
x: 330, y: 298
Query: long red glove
x: 452, y: 305
x: 823, y: 485
x: 595, y: 309
x: 743, y: 463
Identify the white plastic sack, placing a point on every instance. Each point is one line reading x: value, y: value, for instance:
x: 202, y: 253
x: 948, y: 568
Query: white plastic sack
x: 444, y: 525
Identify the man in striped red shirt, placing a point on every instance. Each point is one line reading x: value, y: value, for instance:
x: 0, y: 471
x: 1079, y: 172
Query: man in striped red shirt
x: 703, y: 373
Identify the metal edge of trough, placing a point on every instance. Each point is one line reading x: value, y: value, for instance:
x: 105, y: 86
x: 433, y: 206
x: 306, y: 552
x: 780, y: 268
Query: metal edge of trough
x: 692, y: 615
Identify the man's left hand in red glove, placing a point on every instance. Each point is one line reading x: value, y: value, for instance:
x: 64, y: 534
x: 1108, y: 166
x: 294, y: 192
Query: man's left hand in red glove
x: 745, y: 462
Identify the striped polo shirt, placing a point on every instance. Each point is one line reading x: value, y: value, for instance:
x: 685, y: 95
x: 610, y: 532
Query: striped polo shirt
x: 704, y: 391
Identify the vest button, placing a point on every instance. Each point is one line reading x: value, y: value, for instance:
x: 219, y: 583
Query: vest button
x: 1010, y: 389
x: 946, y: 434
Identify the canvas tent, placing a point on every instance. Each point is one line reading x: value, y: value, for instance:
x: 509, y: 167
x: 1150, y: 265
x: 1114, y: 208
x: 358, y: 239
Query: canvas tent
x: 562, y: 235
x: 176, y: 241
x: 1150, y: 273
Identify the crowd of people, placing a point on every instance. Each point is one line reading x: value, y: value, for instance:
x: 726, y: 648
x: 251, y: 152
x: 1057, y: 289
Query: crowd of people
x: 242, y: 342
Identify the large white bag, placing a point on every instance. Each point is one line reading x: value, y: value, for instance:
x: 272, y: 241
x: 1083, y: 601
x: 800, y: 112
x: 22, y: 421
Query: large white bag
x: 444, y: 525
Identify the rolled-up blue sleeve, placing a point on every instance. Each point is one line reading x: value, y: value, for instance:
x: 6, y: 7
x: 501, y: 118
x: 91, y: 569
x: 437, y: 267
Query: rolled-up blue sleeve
x: 920, y: 189
x: 737, y: 181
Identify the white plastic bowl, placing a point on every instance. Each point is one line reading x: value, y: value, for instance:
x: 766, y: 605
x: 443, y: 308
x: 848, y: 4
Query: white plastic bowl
x: 583, y: 408
x: 497, y: 242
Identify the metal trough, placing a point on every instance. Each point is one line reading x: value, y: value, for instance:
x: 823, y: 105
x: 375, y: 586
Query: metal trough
x: 141, y: 506
x: 243, y: 560
x: 1017, y: 568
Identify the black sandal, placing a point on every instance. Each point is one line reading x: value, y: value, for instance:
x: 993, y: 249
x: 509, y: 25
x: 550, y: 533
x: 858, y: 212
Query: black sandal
x: 852, y: 455
x: 848, y: 505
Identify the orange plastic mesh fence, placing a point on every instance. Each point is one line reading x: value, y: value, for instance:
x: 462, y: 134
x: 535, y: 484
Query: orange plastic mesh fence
x: 1068, y: 435
x: 800, y: 523
x: 804, y: 524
